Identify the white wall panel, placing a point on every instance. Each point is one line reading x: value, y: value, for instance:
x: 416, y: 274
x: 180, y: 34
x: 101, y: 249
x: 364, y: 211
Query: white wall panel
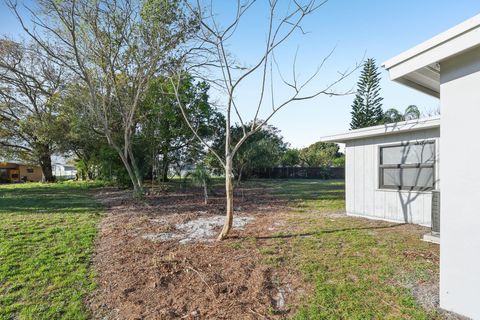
x: 359, y: 181
x: 362, y: 182
x: 460, y: 178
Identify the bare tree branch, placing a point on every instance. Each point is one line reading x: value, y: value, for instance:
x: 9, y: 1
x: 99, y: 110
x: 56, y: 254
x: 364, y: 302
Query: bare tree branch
x: 217, y: 66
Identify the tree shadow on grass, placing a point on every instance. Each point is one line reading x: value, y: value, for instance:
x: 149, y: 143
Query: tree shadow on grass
x: 314, y: 233
x: 45, y: 199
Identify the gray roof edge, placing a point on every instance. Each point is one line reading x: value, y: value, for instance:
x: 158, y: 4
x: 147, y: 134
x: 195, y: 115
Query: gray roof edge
x: 384, y: 129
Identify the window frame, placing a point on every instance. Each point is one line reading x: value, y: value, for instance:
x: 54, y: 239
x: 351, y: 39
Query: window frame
x: 382, y: 166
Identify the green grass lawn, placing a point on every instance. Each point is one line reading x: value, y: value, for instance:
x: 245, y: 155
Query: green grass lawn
x: 46, y: 244
x: 358, y: 267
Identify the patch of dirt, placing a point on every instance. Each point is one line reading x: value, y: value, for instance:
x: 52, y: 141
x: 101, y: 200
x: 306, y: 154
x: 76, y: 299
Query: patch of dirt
x: 198, y: 230
x: 163, y: 279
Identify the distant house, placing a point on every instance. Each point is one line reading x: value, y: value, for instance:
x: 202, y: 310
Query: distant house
x: 64, y: 171
x: 17, y: 172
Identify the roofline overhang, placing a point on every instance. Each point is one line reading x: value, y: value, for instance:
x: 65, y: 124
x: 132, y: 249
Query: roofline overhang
x: 419, y: 67
x: 385, y: 129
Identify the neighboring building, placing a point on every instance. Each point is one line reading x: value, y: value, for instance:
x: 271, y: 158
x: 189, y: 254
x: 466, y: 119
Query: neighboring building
x: 447, y: 67
x: 17, y: 172
x: 391, y: 170
x: 64, y: 171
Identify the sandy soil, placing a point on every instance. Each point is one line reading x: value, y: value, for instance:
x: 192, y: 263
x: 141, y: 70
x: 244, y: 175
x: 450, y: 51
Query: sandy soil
x: 141, y: 276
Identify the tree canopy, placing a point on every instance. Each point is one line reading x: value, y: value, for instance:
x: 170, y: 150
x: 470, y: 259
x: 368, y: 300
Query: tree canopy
x: 393, y: 115
x: 113, y: 48
x: 320, y: 154
x: 164, y: 131
x: 265, y: 149
x: 30, y: 84
x: 367, y: 105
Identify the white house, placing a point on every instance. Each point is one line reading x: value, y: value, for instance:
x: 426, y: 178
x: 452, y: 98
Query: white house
x: 448, y: 67
x: 391, y: 170
x: 64, y: 171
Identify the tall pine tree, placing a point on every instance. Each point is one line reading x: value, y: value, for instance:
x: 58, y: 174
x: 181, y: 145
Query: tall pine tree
x: 367, y: 106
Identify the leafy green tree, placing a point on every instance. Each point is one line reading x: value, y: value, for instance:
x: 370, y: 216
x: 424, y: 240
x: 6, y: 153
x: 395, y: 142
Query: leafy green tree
x: 367, y: 105
x: 201, y: 177
x: 339, y: 161
x: 164, y: 130
x: 320, y: 154
x: 412, y: 113
x: 393, y: 115
x: 162, y: 137
x: 30, y: 128
x: 82, y: 139
x: 264, y: 149
x: 114, y: 48
x: 291, y: 158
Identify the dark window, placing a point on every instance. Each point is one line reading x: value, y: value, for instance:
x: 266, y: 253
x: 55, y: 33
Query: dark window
x: 30, y: 170
x: 408, y: 166
x: 3, y: 174
x: 15, y: 176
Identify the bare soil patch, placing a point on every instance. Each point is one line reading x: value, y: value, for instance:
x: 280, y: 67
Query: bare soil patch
x: 149, y: 268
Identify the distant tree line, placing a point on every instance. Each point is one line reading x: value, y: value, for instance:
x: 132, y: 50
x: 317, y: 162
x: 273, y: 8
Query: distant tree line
x: 266, y: 149
x: 60, y: 122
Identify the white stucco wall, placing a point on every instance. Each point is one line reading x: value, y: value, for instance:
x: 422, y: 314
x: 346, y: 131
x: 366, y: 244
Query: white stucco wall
x: 460, y: 175
x: 363, y: 195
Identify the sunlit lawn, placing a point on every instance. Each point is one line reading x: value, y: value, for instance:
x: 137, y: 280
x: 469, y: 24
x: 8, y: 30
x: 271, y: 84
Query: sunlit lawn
x: 46, y: 243
x: 358, y: 267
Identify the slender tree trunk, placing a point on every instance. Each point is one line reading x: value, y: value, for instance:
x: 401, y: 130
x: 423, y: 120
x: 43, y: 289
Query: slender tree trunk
x: 90, y: 173
x: 137, y: 187
x: 153, y: 169
x: 229, y: 194
x: 239, y: 178
x: 205, y: 192
x: 138, y: 176
x: 165, y: 164
x: 138, y: 191
x: 165, y: 171
x: 130, y: 166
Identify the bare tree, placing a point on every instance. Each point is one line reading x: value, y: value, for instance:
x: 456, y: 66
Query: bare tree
x: 29, y: 84
x: 113, y: 47
x: 210, y: 54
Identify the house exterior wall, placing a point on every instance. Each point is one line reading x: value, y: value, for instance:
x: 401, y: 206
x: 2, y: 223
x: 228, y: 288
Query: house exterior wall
x: 16, y: 172
x: 460, y: 199
x: 35, y: 176
x: 363, y: 195
x: 64, y: 171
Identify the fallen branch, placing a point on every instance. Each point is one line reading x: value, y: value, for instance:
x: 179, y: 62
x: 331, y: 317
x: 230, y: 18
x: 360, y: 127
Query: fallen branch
x: 203, y: 280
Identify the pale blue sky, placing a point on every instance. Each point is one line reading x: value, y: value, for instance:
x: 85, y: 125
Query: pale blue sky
x: 377, y: 28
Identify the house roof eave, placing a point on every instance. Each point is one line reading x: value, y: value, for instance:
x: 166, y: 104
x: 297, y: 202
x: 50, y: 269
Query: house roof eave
x: 419, y: 67
x: 385, y: 129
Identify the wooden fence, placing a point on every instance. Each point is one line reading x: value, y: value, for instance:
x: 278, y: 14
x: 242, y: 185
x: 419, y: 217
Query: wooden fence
x: 300, y: 173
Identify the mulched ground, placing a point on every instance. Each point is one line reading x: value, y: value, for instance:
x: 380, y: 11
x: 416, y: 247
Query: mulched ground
x: 144, y: 279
